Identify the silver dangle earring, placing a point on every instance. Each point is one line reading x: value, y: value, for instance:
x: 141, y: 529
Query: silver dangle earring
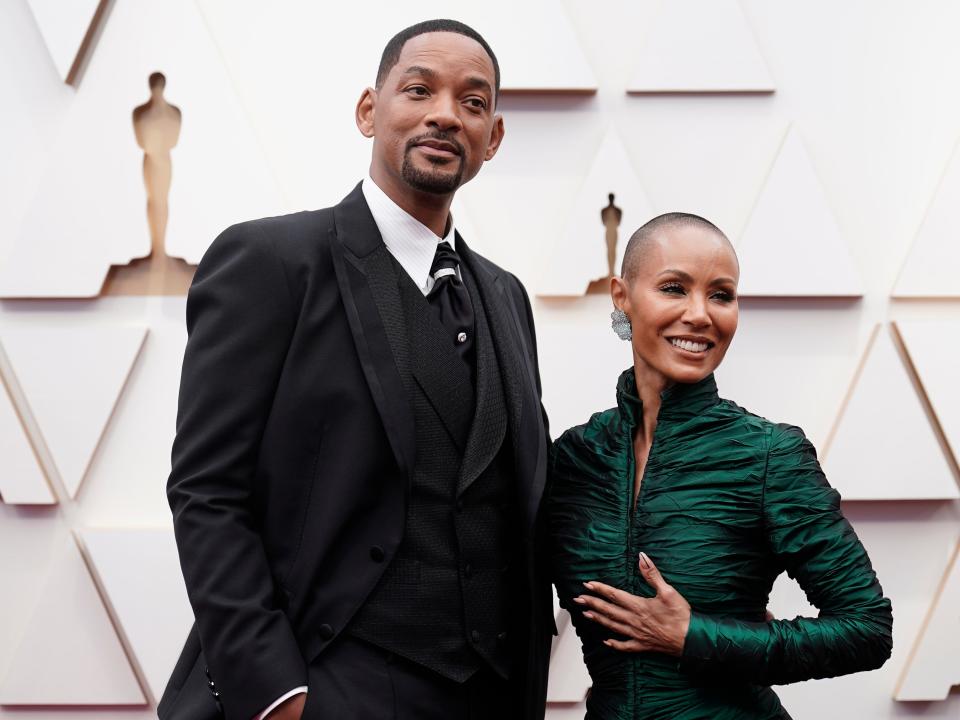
x: 621, y: 324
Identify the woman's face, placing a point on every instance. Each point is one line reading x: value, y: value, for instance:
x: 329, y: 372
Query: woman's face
x: 681, y: 302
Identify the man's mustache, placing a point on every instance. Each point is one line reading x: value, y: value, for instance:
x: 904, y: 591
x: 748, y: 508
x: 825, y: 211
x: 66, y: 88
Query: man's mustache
x: 438, y: 136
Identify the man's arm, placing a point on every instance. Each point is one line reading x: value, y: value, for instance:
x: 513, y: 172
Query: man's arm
x: 240, y: 319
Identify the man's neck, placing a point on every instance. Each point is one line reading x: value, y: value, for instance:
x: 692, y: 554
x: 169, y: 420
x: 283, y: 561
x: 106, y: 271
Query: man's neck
x: 430, y: 209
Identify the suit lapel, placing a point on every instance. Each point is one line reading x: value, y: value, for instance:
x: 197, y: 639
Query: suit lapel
x: 368, y: 288
x: 490, y: 418
x: 519, y: 382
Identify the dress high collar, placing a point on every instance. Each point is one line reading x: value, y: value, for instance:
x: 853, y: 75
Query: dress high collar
x: 678, y: 402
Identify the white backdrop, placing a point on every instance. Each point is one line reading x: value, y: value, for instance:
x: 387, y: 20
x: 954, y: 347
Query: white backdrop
x: 869, y: 88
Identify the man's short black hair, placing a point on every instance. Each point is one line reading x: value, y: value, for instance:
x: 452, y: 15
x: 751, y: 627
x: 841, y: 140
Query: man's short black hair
x: 391, y: 53
x: 639, y: 244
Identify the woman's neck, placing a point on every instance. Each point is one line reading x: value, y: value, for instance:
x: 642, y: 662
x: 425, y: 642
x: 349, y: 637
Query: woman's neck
x: 650, y: 384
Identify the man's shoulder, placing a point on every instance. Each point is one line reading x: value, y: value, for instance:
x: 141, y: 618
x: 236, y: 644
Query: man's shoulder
x: 293, y: 228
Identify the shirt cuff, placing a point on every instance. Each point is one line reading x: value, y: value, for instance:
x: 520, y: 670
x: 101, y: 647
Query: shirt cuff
x: 279, y: 700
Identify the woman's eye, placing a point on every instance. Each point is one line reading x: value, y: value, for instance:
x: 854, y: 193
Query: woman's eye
x: 723, y: 296
x: 672, y: 288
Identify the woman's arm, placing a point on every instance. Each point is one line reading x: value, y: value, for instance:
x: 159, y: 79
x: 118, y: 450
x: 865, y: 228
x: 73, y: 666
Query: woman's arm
x: 820, y: 550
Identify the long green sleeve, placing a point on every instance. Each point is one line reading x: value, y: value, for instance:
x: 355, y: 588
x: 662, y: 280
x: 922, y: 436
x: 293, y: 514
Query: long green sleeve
x: 819, y: 549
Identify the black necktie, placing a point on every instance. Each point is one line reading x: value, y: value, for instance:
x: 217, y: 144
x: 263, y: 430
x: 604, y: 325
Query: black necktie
x: 451, y: 300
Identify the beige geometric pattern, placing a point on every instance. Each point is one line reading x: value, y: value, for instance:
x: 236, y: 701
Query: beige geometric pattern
x: 75, y: 228
x: 792, y: 246
x: 139, y: 573
x: 933, y: 348
x: 701, y: 46
x: 897, y: 458
x: 267, y: 91
x: 72, y: 377
x: 64, y: 26
x: 21, y: 480
x: 579, y: 255
x: 69, y: 653
x: 930, y: 268
x: 926, y: 675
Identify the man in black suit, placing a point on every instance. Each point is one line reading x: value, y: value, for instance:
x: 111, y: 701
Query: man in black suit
x: 360, y: 451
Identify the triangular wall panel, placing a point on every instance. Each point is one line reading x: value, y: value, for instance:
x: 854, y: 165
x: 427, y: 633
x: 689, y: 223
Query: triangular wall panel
x: 792, y: 246
x: 139, y: 572
x: 63, y: 26
x: 700, y: 46
x: 931, y: 670
x: 580, y: 254
x: 883, y: 446
x: 933, y: 347
x: 21, y: 480
x: 72, y: 378
x: 90, y: 208
x: 931, y: 268
x: 69, y: 653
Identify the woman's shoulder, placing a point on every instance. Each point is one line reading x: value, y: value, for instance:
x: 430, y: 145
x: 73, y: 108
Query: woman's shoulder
x: 769, y: 432
x: 594, y: 446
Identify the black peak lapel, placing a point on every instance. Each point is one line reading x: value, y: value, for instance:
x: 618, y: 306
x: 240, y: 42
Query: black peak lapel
x: 490, y: 417
x: 371, y: 299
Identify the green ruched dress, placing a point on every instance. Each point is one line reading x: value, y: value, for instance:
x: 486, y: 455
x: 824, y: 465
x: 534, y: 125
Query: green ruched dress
x: 728, y: 501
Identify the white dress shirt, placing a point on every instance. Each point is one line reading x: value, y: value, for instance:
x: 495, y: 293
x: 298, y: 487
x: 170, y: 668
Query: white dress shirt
x: 414, y: 246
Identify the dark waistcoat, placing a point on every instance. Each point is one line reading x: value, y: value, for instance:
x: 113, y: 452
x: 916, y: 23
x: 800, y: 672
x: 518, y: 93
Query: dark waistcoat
x: 442, y: 602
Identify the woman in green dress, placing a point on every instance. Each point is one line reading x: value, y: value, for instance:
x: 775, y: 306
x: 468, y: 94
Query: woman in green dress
x: 671, y: 514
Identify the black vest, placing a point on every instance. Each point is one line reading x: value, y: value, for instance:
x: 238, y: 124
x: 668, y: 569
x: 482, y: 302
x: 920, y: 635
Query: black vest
x: 443, y: 600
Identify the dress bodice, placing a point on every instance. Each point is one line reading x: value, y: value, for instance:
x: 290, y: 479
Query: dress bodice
x: 728, y: 501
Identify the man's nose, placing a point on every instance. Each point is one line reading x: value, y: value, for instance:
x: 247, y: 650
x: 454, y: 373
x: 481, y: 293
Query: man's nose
x: 444, y: 113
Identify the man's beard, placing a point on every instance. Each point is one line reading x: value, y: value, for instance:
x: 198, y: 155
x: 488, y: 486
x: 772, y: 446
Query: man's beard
x: 436, y: 183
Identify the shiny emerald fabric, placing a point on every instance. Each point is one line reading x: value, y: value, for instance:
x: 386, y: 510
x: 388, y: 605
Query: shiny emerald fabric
x: 728, y: 501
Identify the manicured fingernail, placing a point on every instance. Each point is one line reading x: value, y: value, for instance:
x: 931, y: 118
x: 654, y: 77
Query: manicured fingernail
x: 579, y: 599
x: 644, y: 560
x: 588, y: 585
x: 588, y: 614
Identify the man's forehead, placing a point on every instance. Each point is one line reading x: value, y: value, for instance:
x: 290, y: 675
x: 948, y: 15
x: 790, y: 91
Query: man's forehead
x: 435, y: 49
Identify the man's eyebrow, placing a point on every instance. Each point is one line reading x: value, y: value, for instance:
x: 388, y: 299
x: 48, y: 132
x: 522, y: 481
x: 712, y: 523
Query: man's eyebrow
x: 476, y: 81
x: 420, y: 70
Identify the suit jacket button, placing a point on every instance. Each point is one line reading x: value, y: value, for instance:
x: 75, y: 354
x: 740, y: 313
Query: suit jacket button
x: 501, y: 637
x: 475, y: 636
x: 376, y: 553
x: 326, y: 632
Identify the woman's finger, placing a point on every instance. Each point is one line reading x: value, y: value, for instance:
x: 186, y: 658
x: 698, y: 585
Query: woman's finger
x: 611, y: 624
x: 602, y: 607
x: 651, y: 574
x: 610, y: 593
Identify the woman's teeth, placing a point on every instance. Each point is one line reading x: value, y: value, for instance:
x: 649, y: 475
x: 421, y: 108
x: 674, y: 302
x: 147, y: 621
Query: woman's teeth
x: 689, y: 345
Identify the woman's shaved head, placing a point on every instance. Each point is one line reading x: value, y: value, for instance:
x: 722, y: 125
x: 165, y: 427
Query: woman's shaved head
x: 638, y: 247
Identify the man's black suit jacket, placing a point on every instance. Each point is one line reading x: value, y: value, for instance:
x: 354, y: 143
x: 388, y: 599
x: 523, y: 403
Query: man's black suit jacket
x: 295, y: 448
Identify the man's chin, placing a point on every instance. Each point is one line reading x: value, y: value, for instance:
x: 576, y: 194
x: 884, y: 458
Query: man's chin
x: 432, y: 179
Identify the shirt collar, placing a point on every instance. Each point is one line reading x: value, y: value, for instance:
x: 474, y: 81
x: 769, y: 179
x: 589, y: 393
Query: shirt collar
x: 680, y: 401
x: 411, y: 242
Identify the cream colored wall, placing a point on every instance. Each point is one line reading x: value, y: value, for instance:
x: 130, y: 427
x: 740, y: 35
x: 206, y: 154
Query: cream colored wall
x: 870, y: 87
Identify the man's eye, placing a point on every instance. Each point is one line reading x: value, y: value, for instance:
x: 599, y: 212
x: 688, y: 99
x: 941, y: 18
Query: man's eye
x: 478, y: 103
x: 418, y: 90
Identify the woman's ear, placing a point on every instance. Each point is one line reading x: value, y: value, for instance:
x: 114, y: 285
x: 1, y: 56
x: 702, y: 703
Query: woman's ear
x: 618, y: 292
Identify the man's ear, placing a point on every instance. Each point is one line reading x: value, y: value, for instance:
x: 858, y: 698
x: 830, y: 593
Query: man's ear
x: 496, y: 137
x: 366, y: 110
